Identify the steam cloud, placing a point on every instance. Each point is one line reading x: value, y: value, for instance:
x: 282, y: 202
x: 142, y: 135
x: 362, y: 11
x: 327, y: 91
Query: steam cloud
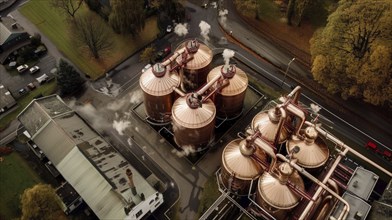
x: 227, y: 55
x: 315, y: 107
x: 205, y: 30
x: 181, y: 29
x: 186, y: 150
x: 120, y: 126
x: 222, y: 17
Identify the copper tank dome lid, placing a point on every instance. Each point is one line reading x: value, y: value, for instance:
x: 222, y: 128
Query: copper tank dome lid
x: 267, y: 123
x: 158, y: 80
x: 189, y: 112
x: 238, y: 80
x: 236, y: 159
x: 313, y: 152
x: 200, y: 53
x: 275, y: 192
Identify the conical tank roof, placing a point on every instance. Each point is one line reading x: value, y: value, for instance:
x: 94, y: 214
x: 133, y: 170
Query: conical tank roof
x: 267, y: 123
x: 236, y: 159
x: 194, y: 115
x: 200, y: 53
x: 238, y: 80
x: 275, y: 192
x: 313, y: 152
x: 158, y: 80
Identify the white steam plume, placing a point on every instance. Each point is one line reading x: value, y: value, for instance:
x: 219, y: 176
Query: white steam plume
x: 205, y: 30
x: 227, y: 55
x: 222, y: 16
x: 120, y: 126
x: 186, y: 150
x: 181, y: 29
x: 133, y: 98
x: 315, y: 108
x: 92, y: 114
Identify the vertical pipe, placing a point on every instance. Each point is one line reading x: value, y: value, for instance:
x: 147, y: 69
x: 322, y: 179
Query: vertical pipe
x: 282, y: 119
x: 322, y: 185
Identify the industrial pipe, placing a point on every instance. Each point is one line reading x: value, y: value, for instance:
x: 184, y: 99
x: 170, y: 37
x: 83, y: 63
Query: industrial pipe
x: 268, y: 149
x: 224, y: 83
x: 341, y: 144
x: 299, y: 113
x: 179, y: 91
x: 282, y: 119
x: 346, y: 207
x: 173, y: 57
x: 296, y: 92
x: 208, y: 85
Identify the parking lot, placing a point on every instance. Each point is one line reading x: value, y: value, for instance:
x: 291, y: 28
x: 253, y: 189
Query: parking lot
x: 16, y: 81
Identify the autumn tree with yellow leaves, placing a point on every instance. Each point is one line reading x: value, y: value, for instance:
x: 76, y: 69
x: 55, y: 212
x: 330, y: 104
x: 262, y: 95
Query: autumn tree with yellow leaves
x: 352, y: 55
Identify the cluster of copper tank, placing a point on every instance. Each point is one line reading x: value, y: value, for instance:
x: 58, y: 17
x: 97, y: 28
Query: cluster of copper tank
x: 185, y: 91
x: 271, y: 176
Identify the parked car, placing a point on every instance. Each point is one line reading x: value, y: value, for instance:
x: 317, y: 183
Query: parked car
x: 31, y: 86
x: 162, y: 54
x: 169, y: 28
x: 42, y: 78
x: 148, y: 66
x: 22, y: 91
x: 22, y: 68
x: 34, y: 69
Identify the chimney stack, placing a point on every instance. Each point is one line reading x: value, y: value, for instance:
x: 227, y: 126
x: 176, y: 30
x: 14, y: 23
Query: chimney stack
x: 131, y: 183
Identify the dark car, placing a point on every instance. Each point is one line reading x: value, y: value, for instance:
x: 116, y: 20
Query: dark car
x: 162, y: 54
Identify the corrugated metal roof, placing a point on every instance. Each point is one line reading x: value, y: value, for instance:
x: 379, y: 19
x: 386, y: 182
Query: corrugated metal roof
x: 193, y: 118
x: 237, y: 84
x: 91, y: 185
x: 159, y: 86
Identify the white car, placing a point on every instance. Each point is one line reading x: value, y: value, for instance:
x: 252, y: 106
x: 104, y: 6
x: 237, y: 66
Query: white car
x: 34, y: 69
x: 169, y: 28
x: 22, y: 68
x: 42, y: 78
x: 148, y: 66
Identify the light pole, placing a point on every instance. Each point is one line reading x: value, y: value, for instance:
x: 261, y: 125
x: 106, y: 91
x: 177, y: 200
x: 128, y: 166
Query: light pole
x: 285, y: 73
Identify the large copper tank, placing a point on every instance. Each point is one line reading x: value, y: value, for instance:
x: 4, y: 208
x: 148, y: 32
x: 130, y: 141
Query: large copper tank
x: 238, y: 166
x: 267, y: 123
x: 313, y: 152
x: 274, y: 194
x: 230, y: 99
x: 157, y: 84
x: 196, y: 64
x: 193, y: 121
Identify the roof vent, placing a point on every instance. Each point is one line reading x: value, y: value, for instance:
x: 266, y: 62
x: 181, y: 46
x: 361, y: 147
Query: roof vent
x: 192, y: 46
x: 14, y: 25
x: 228, y: 71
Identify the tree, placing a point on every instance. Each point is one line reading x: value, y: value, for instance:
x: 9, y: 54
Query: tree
x: 352, y: 54
x: 92, y: 32
x: 247, y: 7
x: 148, y: 55
x: 36, y: 40
x: 127, y: 17
x: 70, y: 7
x: 296, y: 10
x: 40, y: 202
x: 68, y: 79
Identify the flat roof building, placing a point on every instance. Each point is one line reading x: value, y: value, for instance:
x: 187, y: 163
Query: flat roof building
x: 105, y: 180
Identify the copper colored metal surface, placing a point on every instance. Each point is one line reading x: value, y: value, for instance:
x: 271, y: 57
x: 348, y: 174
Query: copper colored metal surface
x: 229, y: 99
x: 238, y: 166
x: 267, y: 123
x: 158, y: 84
x: 313, y: 152
x: 193, y: 126
x: 273, y: 190
x: 196, y: 65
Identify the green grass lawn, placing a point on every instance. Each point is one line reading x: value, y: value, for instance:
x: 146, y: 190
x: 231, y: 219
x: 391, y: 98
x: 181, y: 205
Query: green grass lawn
x: 15, y: 176
x: 210, y: 194
x: 45, y: 89
x: 53, y: 24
